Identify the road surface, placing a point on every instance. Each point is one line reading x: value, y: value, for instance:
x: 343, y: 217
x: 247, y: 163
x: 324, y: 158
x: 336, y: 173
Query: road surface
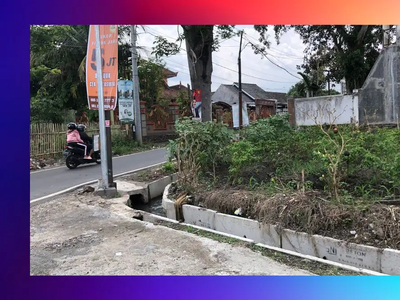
x: 51, y: 181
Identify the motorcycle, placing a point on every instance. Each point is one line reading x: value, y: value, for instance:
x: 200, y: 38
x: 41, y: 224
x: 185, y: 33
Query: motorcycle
x: 75, y: 157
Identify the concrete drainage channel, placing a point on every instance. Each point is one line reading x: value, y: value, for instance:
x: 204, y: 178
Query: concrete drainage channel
x: 354, y: 257
x: 146, y: 197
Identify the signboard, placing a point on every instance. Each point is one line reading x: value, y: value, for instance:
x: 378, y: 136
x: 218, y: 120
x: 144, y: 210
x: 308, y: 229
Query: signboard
x: 96, y: 142
x: 125, y: 101
x: 109, y: 58
x: 235, y: 115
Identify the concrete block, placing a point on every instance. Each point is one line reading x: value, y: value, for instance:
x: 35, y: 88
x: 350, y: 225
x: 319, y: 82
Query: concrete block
x: 238, y: 226
x: 355, y: 255
x: 199, y: 216
x: 169, y: 208
x: 390, y: 262
x: 168, y: 204
x: 156, y: 188
x: 269, y: 235
x: 299, y: 242
x: 125, y: 187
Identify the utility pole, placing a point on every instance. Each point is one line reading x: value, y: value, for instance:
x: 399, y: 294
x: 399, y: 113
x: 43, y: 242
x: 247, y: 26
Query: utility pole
x: 240, y: 83
x: 329, y: 81
x: 386, y: 31
x: 106, y: 163
x: 398, y: 35
x: 135, y: 79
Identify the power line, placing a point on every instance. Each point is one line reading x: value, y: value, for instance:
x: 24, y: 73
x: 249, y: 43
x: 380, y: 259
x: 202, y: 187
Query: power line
x: 252, y: 76
x: 265, y: 55
x: 229, y: 80
x: 154, y: 34
x: 275, y: 49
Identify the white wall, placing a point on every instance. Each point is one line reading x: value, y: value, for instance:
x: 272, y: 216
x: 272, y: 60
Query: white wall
x: 338, y: 109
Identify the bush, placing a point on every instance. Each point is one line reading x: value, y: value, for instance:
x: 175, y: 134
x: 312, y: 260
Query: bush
x: 122, y: 144
x: 346, y: 161
x: 199, y: 148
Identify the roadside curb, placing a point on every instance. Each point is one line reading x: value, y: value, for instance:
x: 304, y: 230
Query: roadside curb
x: 52, y: 196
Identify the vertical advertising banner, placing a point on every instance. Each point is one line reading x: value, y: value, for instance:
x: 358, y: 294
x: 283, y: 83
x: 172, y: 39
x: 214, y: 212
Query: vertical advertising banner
x: 235, y: 115
x: 109, y: 59
x: 125, y: 101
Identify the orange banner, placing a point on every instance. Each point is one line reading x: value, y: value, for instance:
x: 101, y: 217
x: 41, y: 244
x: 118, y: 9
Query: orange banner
x: 109, y: 59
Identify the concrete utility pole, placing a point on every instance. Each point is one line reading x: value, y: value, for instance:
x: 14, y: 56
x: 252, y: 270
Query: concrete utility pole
x: 398, y: 35
x: 135, y: 79
x: 240, y: 83
x: 106, y: 184
x: 102, y: 118
x: 386, y: 31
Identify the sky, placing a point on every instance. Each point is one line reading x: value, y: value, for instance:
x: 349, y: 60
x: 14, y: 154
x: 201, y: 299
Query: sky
x: 255, y: 69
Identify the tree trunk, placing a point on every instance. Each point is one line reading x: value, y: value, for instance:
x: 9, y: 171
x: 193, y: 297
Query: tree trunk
x: 199, y: 41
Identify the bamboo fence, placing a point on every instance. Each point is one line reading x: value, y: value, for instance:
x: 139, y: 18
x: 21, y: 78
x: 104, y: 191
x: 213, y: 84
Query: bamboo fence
x: 49, y: 140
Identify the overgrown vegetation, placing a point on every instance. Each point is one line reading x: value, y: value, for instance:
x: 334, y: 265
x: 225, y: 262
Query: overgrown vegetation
x: 323, y: 179
x: 199, y: 149
x: 124, y: 144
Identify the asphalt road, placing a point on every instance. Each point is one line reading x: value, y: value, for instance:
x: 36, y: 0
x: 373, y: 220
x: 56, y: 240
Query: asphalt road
x: 46, y: 182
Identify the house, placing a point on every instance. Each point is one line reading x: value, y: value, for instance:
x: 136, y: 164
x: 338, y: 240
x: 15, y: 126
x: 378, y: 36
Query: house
x: 270, y: 103
x: 172, y: 92
x: 229, y: 94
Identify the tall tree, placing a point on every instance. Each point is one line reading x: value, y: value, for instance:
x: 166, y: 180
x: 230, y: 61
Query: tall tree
x: 151, y: 81
x: 200, y: 41
x: 348, y: 51
x: 58, y: 58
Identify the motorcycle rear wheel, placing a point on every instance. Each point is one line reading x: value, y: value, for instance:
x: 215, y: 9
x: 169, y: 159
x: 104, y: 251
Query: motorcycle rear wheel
x: 71, y: 162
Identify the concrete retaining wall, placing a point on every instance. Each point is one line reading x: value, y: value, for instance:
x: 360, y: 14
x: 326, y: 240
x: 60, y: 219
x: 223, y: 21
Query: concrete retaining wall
x: 156, y: 188
x: 386, y: 261
x: 324, y: 109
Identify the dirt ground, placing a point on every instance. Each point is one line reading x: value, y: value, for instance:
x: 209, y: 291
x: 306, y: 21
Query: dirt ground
x: 87, y: 235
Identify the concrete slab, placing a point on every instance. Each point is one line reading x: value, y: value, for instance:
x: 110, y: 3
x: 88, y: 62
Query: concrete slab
x: 131, y: 189
x: 169, y: 207
x: 199, y: 216
x: 125, y: 187
x: 238, y: 226
x: 156, y: 188
x: 359, y: 256
x: 299, y: 242
x: 269, y: 235
x: 390, y: 262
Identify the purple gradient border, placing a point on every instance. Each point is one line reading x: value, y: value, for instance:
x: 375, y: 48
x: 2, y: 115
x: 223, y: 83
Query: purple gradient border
x: 15, y: 281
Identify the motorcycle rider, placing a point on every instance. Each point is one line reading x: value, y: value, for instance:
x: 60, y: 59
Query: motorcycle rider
x: 74, y: 139
x: 87, y: 139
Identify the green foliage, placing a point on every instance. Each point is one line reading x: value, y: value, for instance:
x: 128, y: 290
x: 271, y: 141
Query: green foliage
x: 347, y: 51
x: 151, y: 81
x: 168, y: 167
x: 164, y: 48
x: 122, y: 144
x: 272, y: 155
x: 299, y: 90
x: 243, y: 154
x: 57, y: 61
x: 199, y: 148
